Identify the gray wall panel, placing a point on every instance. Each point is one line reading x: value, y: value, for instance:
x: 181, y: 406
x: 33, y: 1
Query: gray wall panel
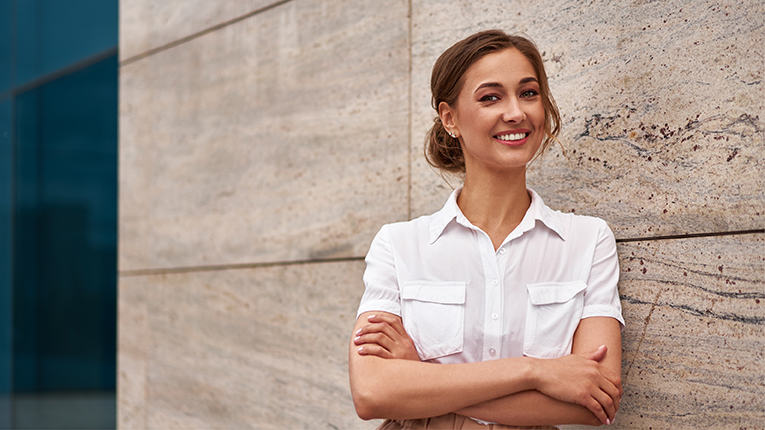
x: 251, y: 348
x: 280, y: 137
x: 150, y: 24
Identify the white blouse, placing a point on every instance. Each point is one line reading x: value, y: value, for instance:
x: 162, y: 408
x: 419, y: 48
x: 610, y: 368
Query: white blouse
x: 461, y: 301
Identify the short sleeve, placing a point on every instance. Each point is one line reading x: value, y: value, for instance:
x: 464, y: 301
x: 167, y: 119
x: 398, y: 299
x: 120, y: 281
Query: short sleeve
x: 601, y: 297
x: 382, y: 290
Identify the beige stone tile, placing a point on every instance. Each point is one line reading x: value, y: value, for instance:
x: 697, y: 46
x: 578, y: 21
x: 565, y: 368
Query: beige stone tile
x: 695, y: 333
x: 149, y: 24
x: 133, y: 342
x: 281, y: 137
x: 250, y: 348
x: 660, y: 104
x: 265, y: 347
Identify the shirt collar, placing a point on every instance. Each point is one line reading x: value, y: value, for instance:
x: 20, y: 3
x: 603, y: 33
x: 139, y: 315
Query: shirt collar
x: 537, y: 211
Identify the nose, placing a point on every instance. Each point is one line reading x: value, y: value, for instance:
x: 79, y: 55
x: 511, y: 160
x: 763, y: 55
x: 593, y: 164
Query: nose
x: 513, y: 111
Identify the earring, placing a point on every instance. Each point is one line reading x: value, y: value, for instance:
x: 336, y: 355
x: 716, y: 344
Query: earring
x: 453, y: 134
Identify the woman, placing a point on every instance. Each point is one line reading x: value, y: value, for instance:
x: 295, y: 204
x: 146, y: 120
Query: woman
x: 516, y: 302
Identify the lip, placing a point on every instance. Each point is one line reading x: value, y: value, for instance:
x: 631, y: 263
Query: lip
x: 513, y: 142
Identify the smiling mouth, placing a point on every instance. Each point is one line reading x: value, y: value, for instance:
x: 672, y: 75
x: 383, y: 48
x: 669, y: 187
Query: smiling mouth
x: 511, y: 137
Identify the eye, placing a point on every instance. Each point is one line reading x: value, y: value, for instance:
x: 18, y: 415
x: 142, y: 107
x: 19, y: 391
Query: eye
x: 529, y: 93
x: 489, y: 98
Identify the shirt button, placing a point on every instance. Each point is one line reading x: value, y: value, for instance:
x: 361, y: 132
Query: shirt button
x: 494, y: 316
x: 495, y: 282
x: 492, y: 352
x: 502, y: 251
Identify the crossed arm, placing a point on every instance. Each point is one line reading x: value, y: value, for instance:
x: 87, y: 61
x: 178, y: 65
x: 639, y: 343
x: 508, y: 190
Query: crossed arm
x: 389, y: 381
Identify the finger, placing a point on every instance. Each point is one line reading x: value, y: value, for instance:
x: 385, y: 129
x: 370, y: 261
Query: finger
x: 393, y: 320
x: 614, y: 393
x: 378, y: 328
x: 375, y: 338
x: 597, y: 409
x: 598, y: 354
x: 606, y: 402
x: 375, y: 350
x: 614, y: 378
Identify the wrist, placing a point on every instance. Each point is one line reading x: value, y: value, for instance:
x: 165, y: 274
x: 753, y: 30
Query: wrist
x: 531, y: 373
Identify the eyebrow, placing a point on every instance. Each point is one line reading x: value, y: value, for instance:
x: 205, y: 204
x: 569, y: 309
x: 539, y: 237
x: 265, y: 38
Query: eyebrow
x: 498, y: 85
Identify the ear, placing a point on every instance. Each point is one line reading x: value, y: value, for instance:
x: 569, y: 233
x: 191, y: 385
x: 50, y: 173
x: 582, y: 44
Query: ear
x: 448, y: 118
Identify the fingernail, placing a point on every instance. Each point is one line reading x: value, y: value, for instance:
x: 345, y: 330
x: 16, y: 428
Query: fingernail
x: 356, y: 338
x: 361, y: 349
x: 370, y: 317
x: 358, y: 332
x: 608, y: 422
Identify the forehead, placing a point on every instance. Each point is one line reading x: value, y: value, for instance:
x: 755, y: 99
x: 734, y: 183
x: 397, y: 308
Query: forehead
x: 506, y: 67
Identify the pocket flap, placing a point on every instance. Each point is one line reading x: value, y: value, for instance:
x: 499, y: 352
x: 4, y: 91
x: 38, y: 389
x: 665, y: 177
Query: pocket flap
x: 435, y: 292
x: 554, y: 292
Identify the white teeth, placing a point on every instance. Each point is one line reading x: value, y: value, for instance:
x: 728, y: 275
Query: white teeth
x: 514, y: 136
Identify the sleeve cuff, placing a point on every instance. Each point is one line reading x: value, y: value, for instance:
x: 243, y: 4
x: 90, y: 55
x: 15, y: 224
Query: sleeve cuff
x: 603, y: 311
x: 379, y: 305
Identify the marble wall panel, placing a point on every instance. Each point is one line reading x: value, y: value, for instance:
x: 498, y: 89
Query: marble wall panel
x: 252, y: 348
x: 149, y: 24
x: 280, y: 137
x: 694, y: 341
x: 133, y: 346
x: 661, y: 105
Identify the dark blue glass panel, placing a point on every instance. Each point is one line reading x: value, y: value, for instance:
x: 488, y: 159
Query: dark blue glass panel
x: 66, y: 233
x: 6, y: 45
x: 6, y: 299
x: 52, y: 34
x: 25, y: 232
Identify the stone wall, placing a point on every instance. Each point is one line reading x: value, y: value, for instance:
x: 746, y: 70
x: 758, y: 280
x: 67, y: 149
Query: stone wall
x: 262, y: 144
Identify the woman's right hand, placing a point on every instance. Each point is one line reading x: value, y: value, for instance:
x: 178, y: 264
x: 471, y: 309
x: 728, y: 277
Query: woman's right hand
x: 581, y: 380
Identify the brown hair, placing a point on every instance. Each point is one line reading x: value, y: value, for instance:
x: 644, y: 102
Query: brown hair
x: 443, y: 151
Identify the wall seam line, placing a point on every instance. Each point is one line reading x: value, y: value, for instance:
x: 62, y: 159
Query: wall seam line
x: 201, y: 33
x: 691, y: 235
x: 219, y: 267
x: 409, y: 119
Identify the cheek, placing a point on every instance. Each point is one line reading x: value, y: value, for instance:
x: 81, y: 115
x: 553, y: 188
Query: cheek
x: 539, y: 117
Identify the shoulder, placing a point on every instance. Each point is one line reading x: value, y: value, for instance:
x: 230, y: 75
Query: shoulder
x: 406, y: 231
x: 577, y: 228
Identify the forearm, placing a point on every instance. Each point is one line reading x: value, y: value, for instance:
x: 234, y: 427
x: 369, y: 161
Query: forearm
x: 535, y: 408
x: 530, y: 408
x: 401, y: 389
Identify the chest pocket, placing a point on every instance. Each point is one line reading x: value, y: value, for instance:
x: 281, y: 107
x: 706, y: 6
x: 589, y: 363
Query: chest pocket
x: 553, y: 313
x: 434, y: 317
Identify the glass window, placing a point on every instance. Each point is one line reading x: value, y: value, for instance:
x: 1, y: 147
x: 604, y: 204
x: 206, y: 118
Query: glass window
x: 65, y: 232
x: 56, y: 34
x: 58, y: 213
x: 6, y: 46
x: 6, y: 299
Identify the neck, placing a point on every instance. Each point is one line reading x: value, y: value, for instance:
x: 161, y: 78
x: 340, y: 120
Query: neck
x: 495, y: 202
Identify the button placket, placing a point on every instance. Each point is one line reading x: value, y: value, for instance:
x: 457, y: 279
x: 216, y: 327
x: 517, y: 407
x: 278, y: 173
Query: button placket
x: 492, y: 336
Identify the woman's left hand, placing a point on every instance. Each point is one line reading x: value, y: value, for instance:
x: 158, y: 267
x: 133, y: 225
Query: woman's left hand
x: 385, y: 337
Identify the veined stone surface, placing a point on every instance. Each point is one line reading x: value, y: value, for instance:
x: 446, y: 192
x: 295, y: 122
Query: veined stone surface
x: 694, y: 343
x: 281, y: 137
x: 250, y: 348
x: 150, y: 24
x: 661, y: 105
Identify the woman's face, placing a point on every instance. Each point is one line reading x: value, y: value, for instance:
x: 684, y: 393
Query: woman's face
x: 499, y: 116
